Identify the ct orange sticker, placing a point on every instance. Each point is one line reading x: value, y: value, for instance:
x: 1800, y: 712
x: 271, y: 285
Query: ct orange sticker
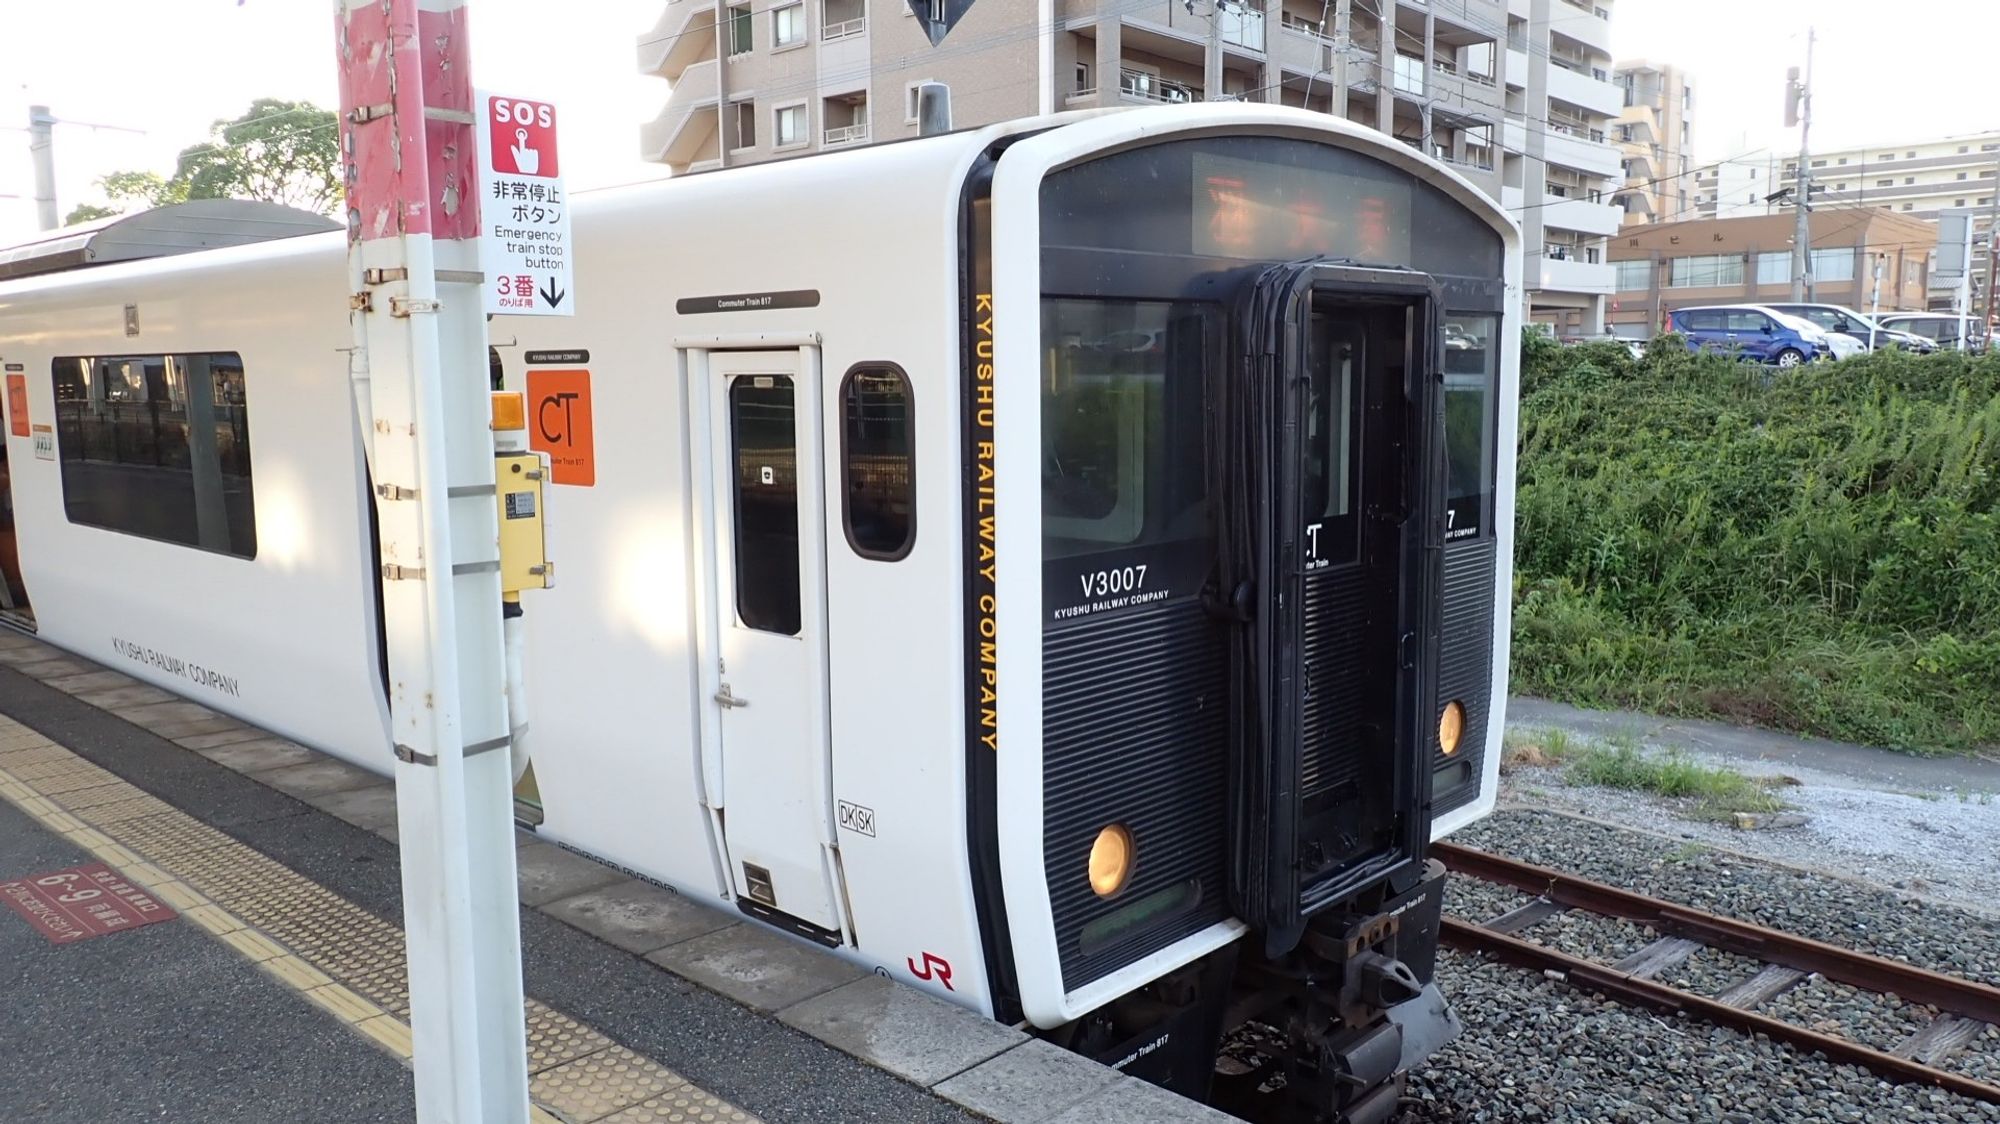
x: 559, y: 424
x: 17, y: 404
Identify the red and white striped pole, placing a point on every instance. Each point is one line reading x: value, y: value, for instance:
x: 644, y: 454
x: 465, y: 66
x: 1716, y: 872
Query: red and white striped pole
x: 420, y: 377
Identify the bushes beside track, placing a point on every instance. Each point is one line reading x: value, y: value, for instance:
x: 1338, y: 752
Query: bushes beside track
x: 1817, y: 550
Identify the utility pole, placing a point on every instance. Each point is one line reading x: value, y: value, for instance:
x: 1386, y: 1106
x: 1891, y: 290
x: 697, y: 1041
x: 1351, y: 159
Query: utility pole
x: 1211, y: 56
x: 1798, y: 110
x: 1992, y: 242
x: 1343, y: 24
x: 419, y: 367
x: 41, y: 149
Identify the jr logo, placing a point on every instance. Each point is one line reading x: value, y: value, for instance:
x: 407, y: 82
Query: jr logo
x: 934, y: 966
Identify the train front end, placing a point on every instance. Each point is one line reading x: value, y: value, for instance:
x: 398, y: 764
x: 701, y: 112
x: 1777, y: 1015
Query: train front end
x: 1238, y: 405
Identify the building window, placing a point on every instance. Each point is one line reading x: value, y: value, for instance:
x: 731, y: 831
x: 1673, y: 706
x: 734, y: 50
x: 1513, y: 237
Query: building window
x: 1835, y: 264
x: 1634, y: 275
x: 1819, y: 163
x: 1842, y: 160
x: 1774, y: 267
x: 877, y: 461
x: 1885, y: 183
x: 1958, y: 203
x: 1907, y: 180
x: 1909, y: 156
x: 1907, y: 206
x: 1888, y: 156
x: 1082, y: 83
x: 1707, y: 271
x: 788, y: 125
x: 1409, y: 74
x: 742, y: 124
x: 788, y: 25
x: 1965, y: 148
x: 741, y: 41
x: 1961, y: 175
x: 158, y: 446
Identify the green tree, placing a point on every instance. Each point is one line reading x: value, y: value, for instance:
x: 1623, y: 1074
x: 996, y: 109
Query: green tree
x: 87, y: 212
x: 279, y: 151
x: 276, y: 151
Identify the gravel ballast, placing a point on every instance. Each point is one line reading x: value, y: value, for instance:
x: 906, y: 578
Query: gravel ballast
x: 1538, y: 1049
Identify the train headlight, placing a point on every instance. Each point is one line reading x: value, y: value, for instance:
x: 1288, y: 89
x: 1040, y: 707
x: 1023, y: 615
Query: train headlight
x: 1110, y: 860
x: 1451, y: 727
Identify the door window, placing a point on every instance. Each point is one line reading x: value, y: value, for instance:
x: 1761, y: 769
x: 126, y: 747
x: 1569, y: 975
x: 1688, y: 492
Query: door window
x: 1748, y: 322
x: 763, y: 431
x: 1701, y: 321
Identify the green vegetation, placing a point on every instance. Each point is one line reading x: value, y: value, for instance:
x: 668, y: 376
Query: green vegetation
x: 1817, y: 551
x: 1714, y: 792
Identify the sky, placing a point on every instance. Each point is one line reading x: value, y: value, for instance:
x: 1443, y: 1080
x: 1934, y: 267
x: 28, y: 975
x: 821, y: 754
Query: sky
x: 1903, y: 71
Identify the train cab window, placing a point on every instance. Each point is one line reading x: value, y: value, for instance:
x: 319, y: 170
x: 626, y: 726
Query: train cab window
x: 158, y: 446
x: 877, y: 448
x: 763, y: 427
x: 1121, y: 405
x: 1471, y: 371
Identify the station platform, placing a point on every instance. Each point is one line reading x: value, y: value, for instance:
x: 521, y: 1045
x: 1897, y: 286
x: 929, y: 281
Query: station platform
x: 201, y: 921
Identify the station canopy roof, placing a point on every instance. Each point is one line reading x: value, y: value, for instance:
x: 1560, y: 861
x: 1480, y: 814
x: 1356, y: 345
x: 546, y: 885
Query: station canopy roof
x: 183, y: 228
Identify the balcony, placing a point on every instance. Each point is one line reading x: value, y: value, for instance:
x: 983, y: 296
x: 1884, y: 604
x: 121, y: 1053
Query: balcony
x: 1580, y: 214
x: 845, y: 120
x: 686, y: 129
x: 682, y: 36
x: 1562, y: 275
x: 1582, y: 148
x: 1144, y: 85
x: 1243, y: 26
x: 1585, y: 23
x: 1589, y: 88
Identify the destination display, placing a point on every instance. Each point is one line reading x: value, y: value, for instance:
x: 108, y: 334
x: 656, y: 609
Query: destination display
x: 1258, y: 209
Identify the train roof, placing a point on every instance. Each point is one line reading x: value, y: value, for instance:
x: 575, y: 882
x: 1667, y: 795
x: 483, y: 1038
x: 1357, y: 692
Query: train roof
x: 182, y: 228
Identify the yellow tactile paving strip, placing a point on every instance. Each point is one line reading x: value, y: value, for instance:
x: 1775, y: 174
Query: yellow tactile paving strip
x: 333, y: 952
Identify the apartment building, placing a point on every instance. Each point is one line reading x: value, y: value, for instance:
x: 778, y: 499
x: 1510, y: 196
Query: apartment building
x: 1917, y: 181
x: 1516, y: 94
x: 1665, y: 266
x: 1655, y: 134
x: 1737, y: 187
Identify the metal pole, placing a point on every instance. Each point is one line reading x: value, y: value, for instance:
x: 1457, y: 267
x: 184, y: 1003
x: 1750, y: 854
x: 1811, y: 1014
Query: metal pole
x: 1802, y: 206
x: 41, y: 149
x: 1342, y: 41
x: 1992, y: 241
x: 1211, y: 56
x: 420, y: 368
x: 1875, y: 300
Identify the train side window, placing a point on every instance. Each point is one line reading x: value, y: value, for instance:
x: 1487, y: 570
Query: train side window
x: 877, y: 459
x: 1471, y: 371
x: 763, y: 426
x: 158, y: 446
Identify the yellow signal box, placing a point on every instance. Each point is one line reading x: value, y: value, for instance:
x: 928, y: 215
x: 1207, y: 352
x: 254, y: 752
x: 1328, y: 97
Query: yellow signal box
x: 524, y: 561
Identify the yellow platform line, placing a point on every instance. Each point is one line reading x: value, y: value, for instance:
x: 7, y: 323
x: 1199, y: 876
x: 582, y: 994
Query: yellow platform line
x: 225, y: 889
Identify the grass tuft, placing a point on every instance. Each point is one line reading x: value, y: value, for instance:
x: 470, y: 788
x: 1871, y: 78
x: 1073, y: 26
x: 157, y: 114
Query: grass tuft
x: 1712, y: 791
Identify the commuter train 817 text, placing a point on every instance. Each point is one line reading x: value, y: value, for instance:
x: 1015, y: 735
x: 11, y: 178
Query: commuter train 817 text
x: 1062, y: 566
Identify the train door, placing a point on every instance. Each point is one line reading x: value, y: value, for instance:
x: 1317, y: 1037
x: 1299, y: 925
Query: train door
x: 13, y: 590
x: 1345, y: 554
x: 771, y: 771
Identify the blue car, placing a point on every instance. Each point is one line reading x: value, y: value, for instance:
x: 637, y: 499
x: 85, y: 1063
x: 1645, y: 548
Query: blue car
x: 1751, y: 332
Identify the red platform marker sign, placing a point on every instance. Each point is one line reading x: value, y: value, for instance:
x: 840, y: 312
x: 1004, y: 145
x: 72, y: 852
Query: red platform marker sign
x: 82, y: 902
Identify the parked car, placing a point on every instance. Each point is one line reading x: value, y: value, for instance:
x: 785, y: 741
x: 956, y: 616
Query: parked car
x: 1941, y: 327
x: 1636, y: 347
x: 1752, y: 332
x: 1834, y: 319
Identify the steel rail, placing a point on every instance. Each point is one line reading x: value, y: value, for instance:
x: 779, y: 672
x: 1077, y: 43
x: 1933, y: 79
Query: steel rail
x: 1639, y: 992
x: 1957, y: 996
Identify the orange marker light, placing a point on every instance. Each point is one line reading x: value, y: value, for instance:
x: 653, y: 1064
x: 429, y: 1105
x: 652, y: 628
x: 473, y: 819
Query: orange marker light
x: 1451, y: 727
x: 510, y: 410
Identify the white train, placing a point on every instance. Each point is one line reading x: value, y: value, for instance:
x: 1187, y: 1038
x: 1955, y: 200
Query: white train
x: 1105, y: 518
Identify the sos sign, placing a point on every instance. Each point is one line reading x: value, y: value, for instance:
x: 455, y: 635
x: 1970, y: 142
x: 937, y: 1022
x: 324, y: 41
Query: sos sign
x: 523, y: 140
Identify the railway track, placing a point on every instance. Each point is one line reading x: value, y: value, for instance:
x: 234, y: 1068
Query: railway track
x: 1965, y: 1007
